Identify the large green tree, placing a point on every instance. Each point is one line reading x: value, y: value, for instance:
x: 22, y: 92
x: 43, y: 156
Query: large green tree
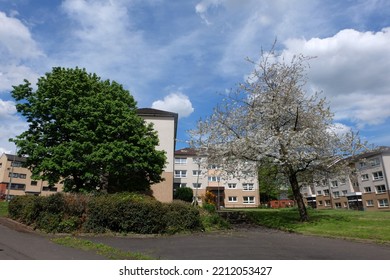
x: 86, y: 132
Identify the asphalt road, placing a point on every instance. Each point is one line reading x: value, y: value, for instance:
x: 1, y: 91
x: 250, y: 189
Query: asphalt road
x: 19, y: 242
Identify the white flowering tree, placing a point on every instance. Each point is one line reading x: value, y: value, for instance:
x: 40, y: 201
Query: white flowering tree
x: 272, y: 117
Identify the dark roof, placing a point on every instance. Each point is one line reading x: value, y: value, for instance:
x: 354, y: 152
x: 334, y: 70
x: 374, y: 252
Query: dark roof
x: 186, y: 152
x: 378, y: 151
x: 155, y: 113
x: 15, y: 158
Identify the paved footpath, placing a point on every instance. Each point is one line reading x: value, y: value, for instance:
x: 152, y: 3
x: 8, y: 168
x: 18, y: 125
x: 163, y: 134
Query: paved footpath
x: 20, y: 242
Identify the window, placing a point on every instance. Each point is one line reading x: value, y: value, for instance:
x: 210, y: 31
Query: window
x: 49, y: 189
x: 179, y: 185
x: 232, y: 186
x: 369, y: 203
x: 19, y: 187
x: 320, y: 202
x: 326, y: 192
x: 214, y: 179
x: 196, y: 172
x: 336, y: 194
x: 377, y: 175
x: 180, y: 160
x: 34, y: 183
x: 232, y: 198
x: 180, y: 173
x: 362, y: 164
x: 367, y: 189
x: 213, y: 166
x: 364, y: 177
x: 343, y: 181
x: 380, y: 189
x: 334, y: 184
x: 383, y: 202
x: 197, y: 185
x: 319, y: 192
x: 249, y: 199
x: 337, y: 205
x: 345, y: 192
x: 17, y: 175
x: 16, y: 164
x: 375, y: 162
x: 327, y: 202
x: 247, y: 186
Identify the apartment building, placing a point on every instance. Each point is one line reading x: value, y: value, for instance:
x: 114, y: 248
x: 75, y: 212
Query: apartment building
x: 19, y: 179
x: 367, y: 188
x: 165, y: 123
x: 229, y: 193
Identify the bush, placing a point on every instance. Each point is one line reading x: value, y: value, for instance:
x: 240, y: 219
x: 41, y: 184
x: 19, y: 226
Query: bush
x: 182, y: 216
x: 185, y: 194
x: 122, y: 212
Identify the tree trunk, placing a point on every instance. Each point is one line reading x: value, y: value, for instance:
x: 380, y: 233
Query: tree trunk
x: 304, y: 217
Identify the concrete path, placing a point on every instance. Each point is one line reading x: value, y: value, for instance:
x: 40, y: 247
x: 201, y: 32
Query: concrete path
x: 18, y: 242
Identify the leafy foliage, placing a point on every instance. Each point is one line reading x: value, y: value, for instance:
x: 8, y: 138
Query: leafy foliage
x: 185, y: 194
x: 121, y: 212
x: 86, y: 131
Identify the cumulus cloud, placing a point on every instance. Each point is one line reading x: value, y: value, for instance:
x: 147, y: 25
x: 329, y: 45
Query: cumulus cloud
x: 11, y: 125
x: 16, y: 48
x: 175, y: 102
x: 351, y: 68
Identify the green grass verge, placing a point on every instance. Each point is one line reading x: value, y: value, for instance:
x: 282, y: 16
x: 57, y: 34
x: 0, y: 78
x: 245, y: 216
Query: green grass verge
x: 99, y: 248
x: 3, y: 209
x: 348, y: 224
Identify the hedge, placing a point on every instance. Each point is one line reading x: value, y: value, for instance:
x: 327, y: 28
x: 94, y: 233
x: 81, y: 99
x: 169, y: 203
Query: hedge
x: 122, y: 212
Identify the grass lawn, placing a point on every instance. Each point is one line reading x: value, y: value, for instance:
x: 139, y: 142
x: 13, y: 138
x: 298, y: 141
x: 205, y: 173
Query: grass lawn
x: 3, y: 209
x: 349, y: 224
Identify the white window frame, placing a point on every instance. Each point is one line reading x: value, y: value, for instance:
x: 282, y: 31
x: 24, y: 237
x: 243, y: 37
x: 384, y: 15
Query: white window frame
x: 375, y: 162
x: 196, y: 185
x: 344, y: 192
x: 327, y: 202
x: 383, y: 203
x: 367, y: 189
x: 181, y: 160
x: 319, y: 192
x: 336, y: 194
x: 378, y: 175
x: 232, y: 185
x: 248, y: 186
x: 334, y: 184
x: 196, y: 173
x: 214, y: 179
x: 248, y: 200
x: 370, y: 203
x: 380, y: 189
x: 180, y: 173
x: 326, y: 192
x: 232, y: 199
x: 365, y: 177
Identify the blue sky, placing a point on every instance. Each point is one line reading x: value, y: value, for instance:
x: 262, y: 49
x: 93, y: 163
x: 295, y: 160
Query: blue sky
x: 182, y: 55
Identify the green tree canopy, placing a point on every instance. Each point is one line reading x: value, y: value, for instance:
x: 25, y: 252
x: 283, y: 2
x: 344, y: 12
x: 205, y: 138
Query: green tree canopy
x: 86, y: 132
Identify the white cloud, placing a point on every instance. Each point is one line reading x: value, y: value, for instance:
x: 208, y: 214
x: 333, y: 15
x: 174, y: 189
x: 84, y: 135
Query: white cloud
x: 175, y: 102
x: 16, y: 48
x: 352, y: 69
x: 11, y: 125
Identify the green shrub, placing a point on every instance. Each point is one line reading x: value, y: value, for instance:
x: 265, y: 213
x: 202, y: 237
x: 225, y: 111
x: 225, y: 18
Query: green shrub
x: 26, y: 209
x: 185, y: 194
x: 181, y: 216
x: 122, y: 212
